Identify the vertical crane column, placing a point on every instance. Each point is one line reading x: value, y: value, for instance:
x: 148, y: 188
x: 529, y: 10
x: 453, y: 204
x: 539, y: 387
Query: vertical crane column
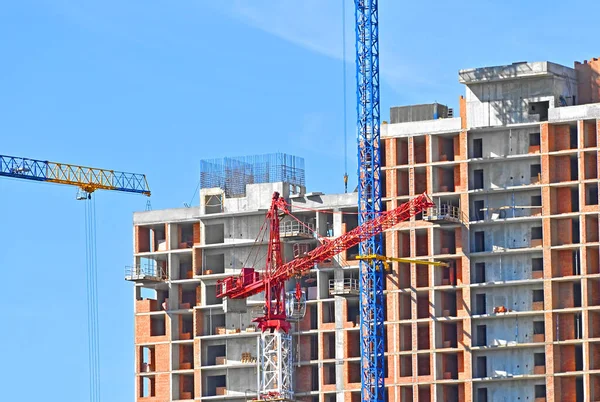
x: 369, y: 199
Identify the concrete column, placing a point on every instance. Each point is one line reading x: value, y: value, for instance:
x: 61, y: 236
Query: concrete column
x: 339, y: 344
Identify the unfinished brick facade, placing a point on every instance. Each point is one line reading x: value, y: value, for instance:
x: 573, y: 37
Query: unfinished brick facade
x: 515, y: 185
x: 514, y: 315
x: 189, y: 348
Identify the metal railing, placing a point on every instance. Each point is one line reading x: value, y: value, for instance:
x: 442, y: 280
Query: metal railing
x: 343, y: 286
x: 508, y: 212
x: 146, y: 272
x: 294, y: 228
x: 445, y: 212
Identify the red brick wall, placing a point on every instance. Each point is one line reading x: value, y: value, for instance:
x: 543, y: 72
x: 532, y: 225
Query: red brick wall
x: 404, y: 249
x: 391, y: 184
x: 559, y: 137
x: 197, y: 383
x: 562, y: 262
x: 197, y: 233
x: 197, y: 261
x: 561, y: 232
x: 142, y: 239
x: 303, y: 379
x: 142, y: 330
x: 590, y: 165
x: 199, y: 321
x: 588, y: 76
x: 403, y: 183
x: 424, y: 337
x: 422, y: 276
x: 568, y: 389
x: 460, y: 178
x: 544, y: 133
x: 591, y: 229
x: 595, y: 356
x: 425, y: 393
x: 420, y: 182
x: 590, y: 135
x: 353, y: 372
x: 565, y: 295
x: 458, y: 239
x: 402, y: 151
x: 352, y: 344
x: 440, y: 181
x: 405, y: 337
x: 592, y: 261
x: 462, y: 104
x: 423, y: 306
x: 422, y: 244
x: 424, y: 365
x: 567, y: 359
x: 145, y: 306
x: 560, y: 200
x: 594, y: 293
x: 566, y: 326
x: 162, y: 353
x: 461, y: 277
x: 560, y: 168
x: 420, y: 150
x: 327, y: 340
x: 390, y: 151
x: 595, y: 385
x: 304, y: 347
x: 197, y: 356
x: 161, y: 388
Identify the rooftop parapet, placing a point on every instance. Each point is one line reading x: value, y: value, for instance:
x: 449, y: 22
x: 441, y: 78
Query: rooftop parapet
x: 515, y: 71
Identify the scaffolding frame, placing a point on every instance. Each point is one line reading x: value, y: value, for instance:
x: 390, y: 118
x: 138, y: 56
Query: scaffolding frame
x: 232, y: 174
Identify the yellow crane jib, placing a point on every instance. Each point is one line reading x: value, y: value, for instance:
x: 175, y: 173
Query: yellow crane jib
x: 388, y: 260
x: 86, y: 178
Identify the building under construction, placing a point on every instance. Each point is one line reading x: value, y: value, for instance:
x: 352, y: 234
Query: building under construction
x: 515, y: 315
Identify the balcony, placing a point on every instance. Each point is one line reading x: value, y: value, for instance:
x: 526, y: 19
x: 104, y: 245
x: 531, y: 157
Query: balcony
x: 445, y: 213
x: 346, y: 286
x: 146, y: 273
x: 295, y: 230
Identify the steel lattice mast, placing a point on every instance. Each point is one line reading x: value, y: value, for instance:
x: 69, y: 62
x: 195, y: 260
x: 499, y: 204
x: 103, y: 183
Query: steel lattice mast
x: 369, y: 199
x: 86, y: 178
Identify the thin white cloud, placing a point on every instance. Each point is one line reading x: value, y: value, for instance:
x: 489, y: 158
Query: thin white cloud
x: 316, y: 25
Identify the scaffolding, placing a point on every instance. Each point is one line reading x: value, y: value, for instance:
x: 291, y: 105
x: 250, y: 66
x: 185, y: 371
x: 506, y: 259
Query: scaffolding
x: 233, y: 174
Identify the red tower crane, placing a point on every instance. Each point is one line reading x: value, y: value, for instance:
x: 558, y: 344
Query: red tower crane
x: 276, y: 357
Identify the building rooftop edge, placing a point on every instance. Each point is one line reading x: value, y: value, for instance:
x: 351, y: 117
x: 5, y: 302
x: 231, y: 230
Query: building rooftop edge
x: 411, y: 128
x: 514, y: 71
x: 312, y: 200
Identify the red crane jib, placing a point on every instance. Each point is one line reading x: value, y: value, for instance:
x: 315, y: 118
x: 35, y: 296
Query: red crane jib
x: 250, y: 282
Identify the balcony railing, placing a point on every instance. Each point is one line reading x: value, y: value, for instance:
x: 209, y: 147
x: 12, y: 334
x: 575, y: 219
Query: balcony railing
x: 343, y: 286
x: 296, y: 229
x: 506, y: 212
x: 443, y: 213
x: 145, y: 273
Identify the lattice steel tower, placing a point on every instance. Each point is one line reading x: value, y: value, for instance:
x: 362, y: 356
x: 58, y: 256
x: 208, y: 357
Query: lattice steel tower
x: 369, y: 199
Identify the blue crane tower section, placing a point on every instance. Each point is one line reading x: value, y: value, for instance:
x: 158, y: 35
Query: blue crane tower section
x: 369, y: 199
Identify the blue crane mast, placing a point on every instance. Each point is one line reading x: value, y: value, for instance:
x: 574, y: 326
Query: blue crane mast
x: 369, y: 199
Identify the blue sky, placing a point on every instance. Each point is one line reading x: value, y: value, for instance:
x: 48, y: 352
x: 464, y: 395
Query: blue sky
x: 155, y: 86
